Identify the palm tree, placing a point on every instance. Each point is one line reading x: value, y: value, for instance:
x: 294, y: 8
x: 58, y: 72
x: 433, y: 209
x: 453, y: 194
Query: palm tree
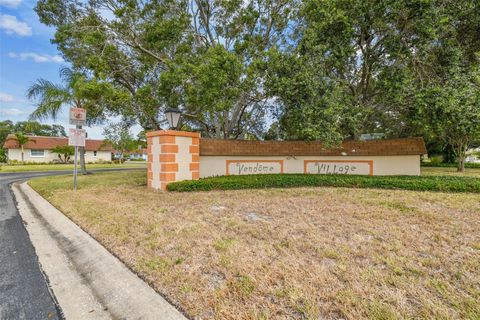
x: 52, y: 97
x: 22, y: 141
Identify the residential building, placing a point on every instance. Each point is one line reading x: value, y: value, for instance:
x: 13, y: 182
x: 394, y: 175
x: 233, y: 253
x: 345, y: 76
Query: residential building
x: 138, y: 154
x: 38, y: 149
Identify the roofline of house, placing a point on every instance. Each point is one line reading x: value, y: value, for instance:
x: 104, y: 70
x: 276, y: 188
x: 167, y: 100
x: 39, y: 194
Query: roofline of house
x: 49, y: 142
x: 50, y: 137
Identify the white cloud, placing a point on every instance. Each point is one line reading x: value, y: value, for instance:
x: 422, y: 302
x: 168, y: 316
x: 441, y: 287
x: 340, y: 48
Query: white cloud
x: 12, y: 26
x: 11, y: 112
x: 40, y: 58
x: 5, y: 97
x: 10, y: 3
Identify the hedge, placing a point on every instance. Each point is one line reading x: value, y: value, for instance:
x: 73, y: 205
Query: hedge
x: 235, y: 182
x: 472, y: 165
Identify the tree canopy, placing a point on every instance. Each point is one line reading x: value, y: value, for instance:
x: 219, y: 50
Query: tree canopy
x: 119, y: 137
x: 202, y: 56
x: 76, y: 90
x: 313, y: 69
x: 31, y: 128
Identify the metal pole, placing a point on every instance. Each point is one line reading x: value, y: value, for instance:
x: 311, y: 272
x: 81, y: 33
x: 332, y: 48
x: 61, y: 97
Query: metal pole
x: 75, y: 170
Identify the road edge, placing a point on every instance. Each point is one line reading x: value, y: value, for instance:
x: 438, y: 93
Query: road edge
x: 86, y: 279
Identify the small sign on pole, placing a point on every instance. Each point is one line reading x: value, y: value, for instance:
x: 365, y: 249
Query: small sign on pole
x: 78, y: 116
x: 77, y: 136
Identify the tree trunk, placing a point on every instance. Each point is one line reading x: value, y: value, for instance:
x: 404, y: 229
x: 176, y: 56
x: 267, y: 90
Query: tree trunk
x: 83, y: 168
x: 81, y: 150
x: 22, y: 154
x: 461, y: 165
x: 461, y: 148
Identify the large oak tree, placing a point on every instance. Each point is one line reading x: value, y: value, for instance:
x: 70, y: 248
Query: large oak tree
x: 201, y: 55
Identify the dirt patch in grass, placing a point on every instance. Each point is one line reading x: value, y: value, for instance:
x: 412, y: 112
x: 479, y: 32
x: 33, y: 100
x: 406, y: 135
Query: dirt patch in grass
x: 304, y: 253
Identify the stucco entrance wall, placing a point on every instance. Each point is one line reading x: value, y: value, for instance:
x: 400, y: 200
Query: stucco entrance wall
x: 177, y: 155
x: 374, y: 165
x: 375, y: 157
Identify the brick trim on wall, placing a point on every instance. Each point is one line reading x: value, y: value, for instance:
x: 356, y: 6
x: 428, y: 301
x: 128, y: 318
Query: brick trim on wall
x: 194, y: 150
x: 149, y: 162
x: 173, y: 133
x: 168, y: 163
x: 172, y: 147
x: 391, y: 147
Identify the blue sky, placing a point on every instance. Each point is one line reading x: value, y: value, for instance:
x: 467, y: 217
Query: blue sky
x: 26, y: 54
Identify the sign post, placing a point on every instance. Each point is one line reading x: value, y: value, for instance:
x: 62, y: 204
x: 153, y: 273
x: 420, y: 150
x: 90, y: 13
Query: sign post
x: 77, y: 137
x: 75, y: 169
x: 78, y: 117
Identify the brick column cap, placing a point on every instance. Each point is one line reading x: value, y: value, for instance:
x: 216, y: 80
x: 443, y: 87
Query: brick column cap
x: 173, y: 133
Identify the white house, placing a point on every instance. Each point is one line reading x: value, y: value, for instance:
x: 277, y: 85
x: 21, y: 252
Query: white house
x: 140, y: 153
x: 473, y: 155
x: 38, y: 149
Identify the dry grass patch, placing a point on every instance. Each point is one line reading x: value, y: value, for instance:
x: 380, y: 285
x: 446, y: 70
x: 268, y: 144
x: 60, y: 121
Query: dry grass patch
x: 304, y: 253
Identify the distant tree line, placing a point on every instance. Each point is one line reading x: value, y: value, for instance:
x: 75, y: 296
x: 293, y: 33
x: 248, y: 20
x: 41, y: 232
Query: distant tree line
x: 285, y: 69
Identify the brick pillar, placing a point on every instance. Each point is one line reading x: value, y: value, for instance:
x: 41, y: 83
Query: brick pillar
x: 172, y: 156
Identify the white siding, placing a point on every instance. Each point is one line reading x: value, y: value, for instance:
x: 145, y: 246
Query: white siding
x: 101, y: 156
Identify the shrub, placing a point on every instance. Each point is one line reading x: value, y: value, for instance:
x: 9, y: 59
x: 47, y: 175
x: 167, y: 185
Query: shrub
x: 427, y: 183
x: 3, y: 155
x: 20, y: 163
x: 101, y: 161
x: 436, y: 160
x: 64, y: 153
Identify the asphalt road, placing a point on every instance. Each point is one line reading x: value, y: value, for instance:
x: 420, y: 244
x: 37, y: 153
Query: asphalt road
x: 24, y: 291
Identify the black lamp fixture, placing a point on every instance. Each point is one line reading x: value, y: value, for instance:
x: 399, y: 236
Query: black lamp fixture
x: 173, y: 117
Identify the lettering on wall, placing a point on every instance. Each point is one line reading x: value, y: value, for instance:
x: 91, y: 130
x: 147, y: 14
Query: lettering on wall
x: 361, y: 167
x: 242, y: 167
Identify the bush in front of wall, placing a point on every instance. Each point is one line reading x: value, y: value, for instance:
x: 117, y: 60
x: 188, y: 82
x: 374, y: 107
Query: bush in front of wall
x: 236, y: 182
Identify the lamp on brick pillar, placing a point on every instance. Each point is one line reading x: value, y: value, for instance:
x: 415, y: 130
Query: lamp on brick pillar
x: 173, y: 117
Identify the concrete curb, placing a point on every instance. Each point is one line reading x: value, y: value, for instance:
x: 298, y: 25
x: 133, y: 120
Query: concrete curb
x: 87, y: 280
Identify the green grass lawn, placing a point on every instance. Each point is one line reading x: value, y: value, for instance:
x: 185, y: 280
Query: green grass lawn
x: 130, y: 178
x: 54, y: 167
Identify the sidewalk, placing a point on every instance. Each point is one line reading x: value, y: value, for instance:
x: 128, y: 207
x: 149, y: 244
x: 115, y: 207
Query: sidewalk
x: 87, y: 280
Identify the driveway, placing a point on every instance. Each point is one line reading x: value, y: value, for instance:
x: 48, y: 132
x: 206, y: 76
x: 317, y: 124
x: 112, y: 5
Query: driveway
x: 24, y: 290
